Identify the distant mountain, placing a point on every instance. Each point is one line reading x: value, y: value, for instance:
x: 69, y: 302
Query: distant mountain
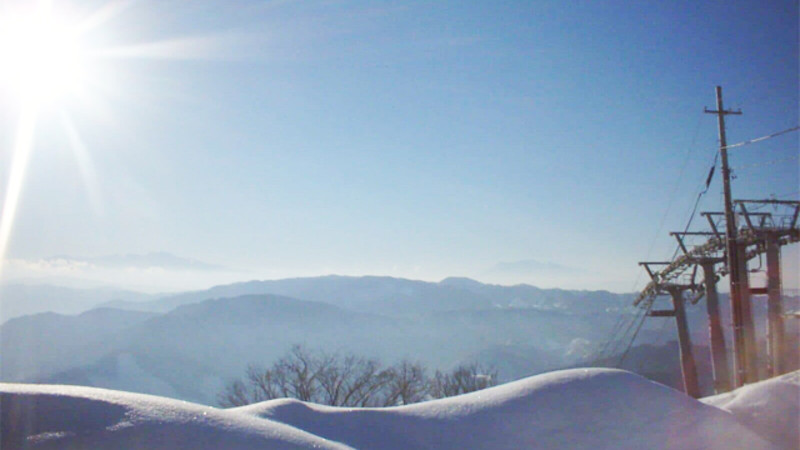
x: 189, y: 345
x: 461, y: 283
x: 32, y: 347
x: 192, y: 350
x: 527, y: 296
x: 401, y: 297
x: 23, y: 299
x: 213, y: 340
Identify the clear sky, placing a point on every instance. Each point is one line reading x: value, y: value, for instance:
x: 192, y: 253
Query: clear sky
x: 413, y: 139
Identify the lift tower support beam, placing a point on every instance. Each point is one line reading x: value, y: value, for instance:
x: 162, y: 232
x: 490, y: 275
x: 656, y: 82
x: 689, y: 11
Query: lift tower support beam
x: 688, y: 366
x: 748, y: 323
x: 719, y: 354
x: 775, y: 330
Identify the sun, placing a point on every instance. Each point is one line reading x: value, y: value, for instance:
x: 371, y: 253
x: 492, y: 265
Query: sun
x: 53, y: 60
x: 41, y: 55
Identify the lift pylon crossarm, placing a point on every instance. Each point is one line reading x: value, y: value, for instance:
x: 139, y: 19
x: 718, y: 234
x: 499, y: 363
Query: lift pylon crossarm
x: 650, y: 272
x: 758, y: 291
x: 769, y: 201
x: 747, y: 217
x: 712, y: 224
x: 726, y: 252
x: 679, y: 238
x: 710, y: 249
x: 709, y: 215
x: 726, y: 112
x: 692, y: 233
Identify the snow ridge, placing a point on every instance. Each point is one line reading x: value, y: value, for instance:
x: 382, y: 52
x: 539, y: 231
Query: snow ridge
x: 571, y: 409
x: 578, y: 408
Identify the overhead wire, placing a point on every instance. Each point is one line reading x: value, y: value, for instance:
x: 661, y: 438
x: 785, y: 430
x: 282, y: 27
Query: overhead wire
x: 700, y: 195
x: 637, y: 320
x: 762, y: 138
x: 635, y: 325
x: 689, y: 222
x: 658, y: 339
x: 627, y: 322
x: 636, y: 333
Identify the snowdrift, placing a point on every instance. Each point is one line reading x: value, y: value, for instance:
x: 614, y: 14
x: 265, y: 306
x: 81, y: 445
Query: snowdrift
x: 771, y: 408
x: 58, y: 417
x: 580, y: 408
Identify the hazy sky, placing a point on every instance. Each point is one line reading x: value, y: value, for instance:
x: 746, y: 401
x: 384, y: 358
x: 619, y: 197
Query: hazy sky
x: 413, y: 139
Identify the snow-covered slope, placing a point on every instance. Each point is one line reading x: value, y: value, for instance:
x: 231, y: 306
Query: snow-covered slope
x: 579, y: 408
x: 573, y: 409
x: 771, y: 408
x: 57, y: 417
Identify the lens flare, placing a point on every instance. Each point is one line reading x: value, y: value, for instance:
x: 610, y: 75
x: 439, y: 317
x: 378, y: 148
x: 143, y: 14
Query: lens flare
x: 44, y: 57
x: 22, y: 149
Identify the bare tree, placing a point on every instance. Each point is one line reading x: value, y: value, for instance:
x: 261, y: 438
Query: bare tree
x: 408, y: 383
x: 297, y: 374
x: 350, y: 380
x: 463, y: 379
x: 312, y: 376
x: 235, y: 394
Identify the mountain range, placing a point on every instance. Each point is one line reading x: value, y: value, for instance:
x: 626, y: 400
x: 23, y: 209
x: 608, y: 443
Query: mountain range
x: 190, y: 345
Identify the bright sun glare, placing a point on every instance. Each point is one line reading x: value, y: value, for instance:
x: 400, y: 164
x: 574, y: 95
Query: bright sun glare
x: 41, y: 60
x: 45, y: 58
x: 41, y: 55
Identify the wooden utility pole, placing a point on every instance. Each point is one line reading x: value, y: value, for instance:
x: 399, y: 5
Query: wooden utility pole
x: 739, y: 348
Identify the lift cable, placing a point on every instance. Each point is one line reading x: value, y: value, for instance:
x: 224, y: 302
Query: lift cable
x: 705, y: 187
x: 700, y: 195
x: 623, y: 322
x: 613, y: 340
x: 633, y: 338
x: 616, y: 338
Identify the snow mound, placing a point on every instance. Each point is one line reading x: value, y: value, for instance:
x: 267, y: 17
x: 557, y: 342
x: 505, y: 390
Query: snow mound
x: 56, y: 417
x: 571, y: 409
x: 771, y: 408
x: 579, y: 408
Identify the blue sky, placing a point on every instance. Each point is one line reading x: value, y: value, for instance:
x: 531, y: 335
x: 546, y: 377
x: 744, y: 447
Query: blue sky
x: 414, y: 139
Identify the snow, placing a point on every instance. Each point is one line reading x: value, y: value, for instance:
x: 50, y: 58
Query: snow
x: 55, y: 417
x: 572, y: 409
x: 771, y: 408
x: 579, y: 408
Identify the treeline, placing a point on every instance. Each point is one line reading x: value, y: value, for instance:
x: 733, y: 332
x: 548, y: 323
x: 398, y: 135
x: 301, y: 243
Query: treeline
x: 350, y: 380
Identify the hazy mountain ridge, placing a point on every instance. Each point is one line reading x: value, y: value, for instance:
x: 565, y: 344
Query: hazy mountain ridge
x: 398, y: 296
x: 38, y: 345
x: 216, y: 339
x: 213, y: 337
x: 18, y: 300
